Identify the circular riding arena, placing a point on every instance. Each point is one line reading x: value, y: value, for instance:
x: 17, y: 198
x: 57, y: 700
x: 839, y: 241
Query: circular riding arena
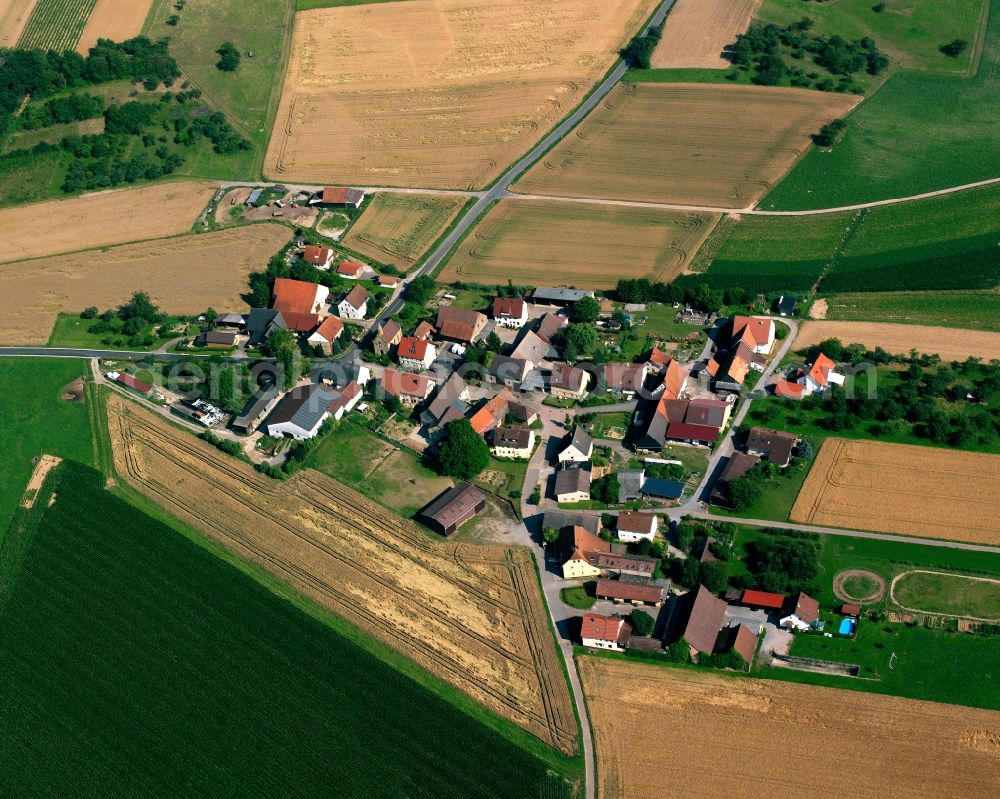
x: 859, y: 585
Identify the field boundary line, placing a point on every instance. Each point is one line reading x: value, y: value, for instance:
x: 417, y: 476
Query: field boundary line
x: 898, y: 577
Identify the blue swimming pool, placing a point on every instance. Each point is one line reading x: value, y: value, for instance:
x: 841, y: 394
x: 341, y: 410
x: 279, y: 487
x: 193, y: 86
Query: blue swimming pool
x: 847, y: 626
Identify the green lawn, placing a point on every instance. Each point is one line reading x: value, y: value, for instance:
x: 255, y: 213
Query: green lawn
x: 917, y: 133
x: 134, y: 663
x: 36, y: 421
x: 580, y: 597
x: 356, y: 456
x: 605, y: 422
x: 951, y: 594
x: 909, y: 31
x: 70, y: 330
x: 471, y: 299
x: 248, y: 97
x: 513, y: 477
x: 973, y: 310
x: 776, y: 501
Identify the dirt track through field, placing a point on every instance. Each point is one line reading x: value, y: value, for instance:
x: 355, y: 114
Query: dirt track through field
x: 471, y: 615
x: 695, y: 144
x: 761, y: 739
x: 117, y: 20
x: 549, y: 243
x: 950, y: 343
x: 183, y: 275
x: 927, y: 492
x: 13, y: 17
x: 697, y: 31
x: 437, y: 93
x: 100, y: 220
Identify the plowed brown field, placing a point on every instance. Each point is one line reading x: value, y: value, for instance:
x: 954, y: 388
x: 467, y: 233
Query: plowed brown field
x: 676, y: 733
x: 695, y: 144
x: 98, y: 220
x: 117, y: 20
x: 399, y: 228
x: 949, y: 343
x: 182, y: 275
x: 437, y: 93
x: 13, y: 17
x: 697, y: 31
x: 897, y: 488
x: 472, y: 615
x: 577, y: 244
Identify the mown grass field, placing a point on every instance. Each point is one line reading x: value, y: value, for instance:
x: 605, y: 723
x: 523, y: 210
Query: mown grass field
x: 56, y: 24
x: 249, y: 96
x: 973, y: 310
x: 917, y: 133
x: 134, y: 663
x: 909, y: 31
x: 951, y: 594
x: 356, y: 456
x: 36, y: 421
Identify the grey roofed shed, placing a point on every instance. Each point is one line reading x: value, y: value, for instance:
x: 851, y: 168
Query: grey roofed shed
x: 630, y: 484
x: 303, y: 406
x: 261, y: 322
x: 558, y: 295
x: 255, y: 408
x: 558, y: 519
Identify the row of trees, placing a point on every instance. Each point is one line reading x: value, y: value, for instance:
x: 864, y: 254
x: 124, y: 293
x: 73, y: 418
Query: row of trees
x: 60, y: 110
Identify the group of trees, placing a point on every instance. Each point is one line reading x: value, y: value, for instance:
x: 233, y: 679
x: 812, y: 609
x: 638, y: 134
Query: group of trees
x: 783, y: 563
x: 763, y: 49
x: 229, y: 57
x: 639, y: 51
x: 688, y: 289
x: 829, y: 133
x: 60, y: 110
x: 133, y: 320
x: 462, y: 452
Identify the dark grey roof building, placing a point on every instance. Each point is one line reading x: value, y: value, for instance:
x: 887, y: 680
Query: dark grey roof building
x: 454, y: 508
x: 255, y: 409
x: 261, y: 322
x: 630, y: 484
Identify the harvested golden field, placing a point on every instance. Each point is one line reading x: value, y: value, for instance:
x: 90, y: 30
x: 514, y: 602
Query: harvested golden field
x: 13, y: 17
x: 182, y: 275
x: 748, y: 738
x: 98, y: 220
x: 577, y: 244
x: 117, y: 20
x: 472, y: 615
x: 437, y: 93
x: 697, y: 31
x: 898, y: 488
x: 692, y: 144
x: 398, y: 229
x: 949, y: 343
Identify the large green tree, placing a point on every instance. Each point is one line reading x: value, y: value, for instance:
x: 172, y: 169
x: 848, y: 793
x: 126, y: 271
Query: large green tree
x: 462, y: 453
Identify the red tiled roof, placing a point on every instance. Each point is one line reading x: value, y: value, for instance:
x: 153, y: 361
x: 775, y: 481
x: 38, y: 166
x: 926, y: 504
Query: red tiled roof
x: 389, y: 330
x: 330, y: 328
x: 357, y: 297
x: 424, y: 330
x: 300, y: 322
x: 745, y: 643
x: 673, y: 380
x: 412, y: 348
x: 659, y: 357
x: 459, y: 323
x: 763, y: 599
x: 754, y: 330
x: 508, y: 307
x: 628, y: 591
x: 601, y: 628
x: 820, y: 370
x: 786, y: 388
x: 705, y: 620
x: 805, y: 607
x: 627, y: 376
x: 399, y: 384
x: 350, y: 268
x: 636, y: 522
x: 294, y: 296
x: 387, y: 280
x: 693, y: 432
x: 335, y: 195
x: 131, y: 382
x: 316, y: 255
x: 850, y: 609
x: 492, y: 413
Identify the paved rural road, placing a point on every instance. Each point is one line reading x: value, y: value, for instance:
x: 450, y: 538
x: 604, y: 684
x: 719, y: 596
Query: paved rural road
x: 117, y: 355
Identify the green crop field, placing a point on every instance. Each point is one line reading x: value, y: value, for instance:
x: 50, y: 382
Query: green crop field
x: 909, y: 31
x: 134, y: 663
x: 35, y: 420
x: 947, y: 242
x: 249, y: 96
x: 772, y: 254
x: 56, y: 24
x: 919, y: 132
x: 950, y: 594
x: 973, y: 310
